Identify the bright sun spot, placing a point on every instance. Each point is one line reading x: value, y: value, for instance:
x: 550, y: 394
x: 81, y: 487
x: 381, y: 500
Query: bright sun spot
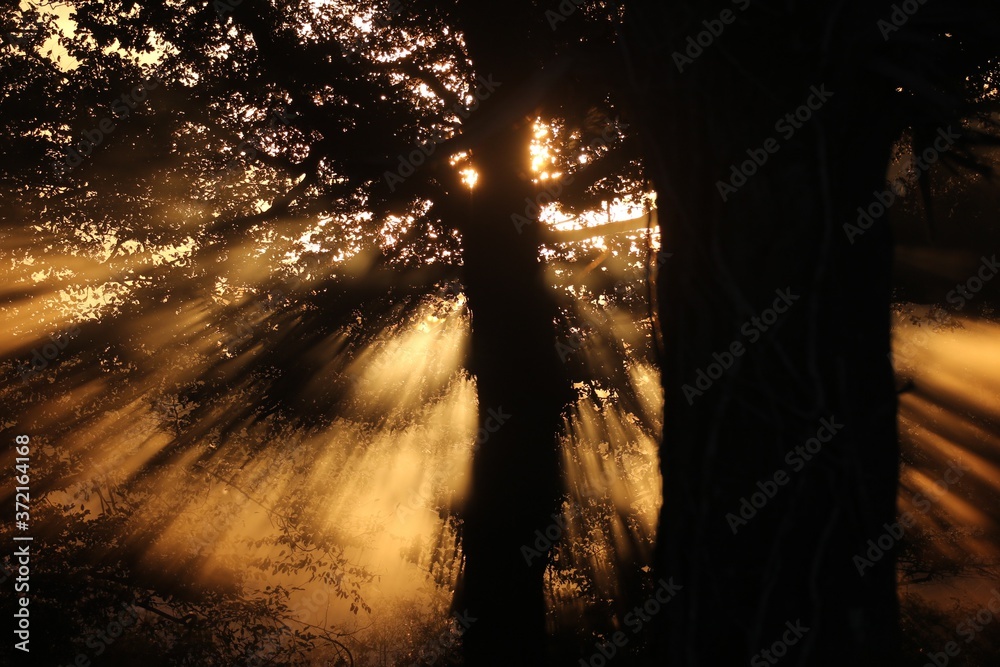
x: 470, y: 177
x: 542, y: 149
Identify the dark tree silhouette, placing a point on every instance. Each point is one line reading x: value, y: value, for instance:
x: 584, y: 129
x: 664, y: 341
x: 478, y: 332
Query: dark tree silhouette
x: 742, y: 244
x: 268, y: 117
x: 248, y: 108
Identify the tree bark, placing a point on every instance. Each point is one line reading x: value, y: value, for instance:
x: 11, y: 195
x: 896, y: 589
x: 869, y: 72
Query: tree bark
x: 812, y: 371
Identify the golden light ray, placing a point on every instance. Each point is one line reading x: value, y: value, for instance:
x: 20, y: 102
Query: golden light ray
x: 610, y: 462
x: 377, y: 491
x: 948, y: 425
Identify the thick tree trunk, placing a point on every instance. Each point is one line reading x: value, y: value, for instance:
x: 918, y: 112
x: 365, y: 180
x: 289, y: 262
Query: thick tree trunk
x: 516, y: 481
x: 779, y: 453
x: 820, y: 372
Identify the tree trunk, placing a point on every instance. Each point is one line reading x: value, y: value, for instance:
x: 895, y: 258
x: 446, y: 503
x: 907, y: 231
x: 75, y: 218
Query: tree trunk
x: 779, y: 452
x: 516, y: 482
